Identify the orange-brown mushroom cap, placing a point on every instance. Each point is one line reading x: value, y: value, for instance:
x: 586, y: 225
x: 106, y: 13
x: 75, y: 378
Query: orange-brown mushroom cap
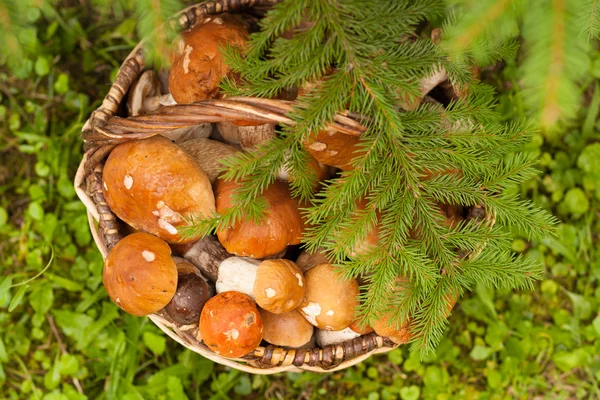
x: 289, y: 329
x: 279, y: 286
x: 139, y: 274
x: 152, y: 183
x: 330, y: 301
x: 230, y: 324
x: 198, y: 65
x: 334, y: 148
x: 282, y: 224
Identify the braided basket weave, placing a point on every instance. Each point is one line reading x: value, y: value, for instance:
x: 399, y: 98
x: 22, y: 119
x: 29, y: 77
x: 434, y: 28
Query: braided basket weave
x: 105, y: 129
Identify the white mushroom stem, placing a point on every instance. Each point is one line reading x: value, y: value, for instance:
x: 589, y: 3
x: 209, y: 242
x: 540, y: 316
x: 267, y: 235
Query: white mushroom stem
x: 326, y: 338
x: 238, y: 274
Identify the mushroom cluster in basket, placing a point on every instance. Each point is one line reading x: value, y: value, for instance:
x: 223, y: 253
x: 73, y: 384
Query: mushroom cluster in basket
x: 251, y: 282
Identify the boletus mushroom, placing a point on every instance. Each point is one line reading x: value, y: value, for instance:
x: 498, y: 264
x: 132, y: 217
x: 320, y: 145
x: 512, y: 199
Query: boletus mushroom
x: 208, y: 154
x: 282, y: 224
x: 279, y: 286
x: 192, y: 293
x: 139, y: 274
x: 198, y: 64
x: 334, y: 148
x: 230, y: 324
x: 153, y: 184
x: 289, y: 329
x: 330, y: 301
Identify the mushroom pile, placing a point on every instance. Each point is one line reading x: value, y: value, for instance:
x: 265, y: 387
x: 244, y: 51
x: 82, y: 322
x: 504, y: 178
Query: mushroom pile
x: 251, y: 282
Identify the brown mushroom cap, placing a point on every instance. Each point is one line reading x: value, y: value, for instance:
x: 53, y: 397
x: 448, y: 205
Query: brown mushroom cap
x: 191, y: 295
x: 208, y: 154
x: 329, y: 302
x: 334, y: 148
x: 198, y: 65
x: 289, y: 329
x: 279, y: 286
x: 149, y: 183
x: 139, y: 274
x: 230, y: 324
x: 281, y: 226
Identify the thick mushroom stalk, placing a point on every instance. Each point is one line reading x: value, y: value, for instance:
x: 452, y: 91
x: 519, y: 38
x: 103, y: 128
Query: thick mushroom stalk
x: 247, y: 134
x: 206, y: 254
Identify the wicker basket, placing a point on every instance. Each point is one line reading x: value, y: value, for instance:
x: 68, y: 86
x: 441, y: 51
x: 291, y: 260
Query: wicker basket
x: 105, y: 129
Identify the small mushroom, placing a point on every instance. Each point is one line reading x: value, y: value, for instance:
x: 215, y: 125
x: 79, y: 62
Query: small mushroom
x: 206, y: 254
x: 144, y: 95
x: 288, y: 329
x: 208, y: 154
x: 279, y: 286
x: 153, y: 185
x: 330, y: 301
x: 282, y: 224
x: 334, y: 148
x: 198, y: 64
x: 238, y: 274
x: 306, y: 260
x: 230, y: 324
x: 326, y: 338
x: 191, y: 295
x: 139, y: 274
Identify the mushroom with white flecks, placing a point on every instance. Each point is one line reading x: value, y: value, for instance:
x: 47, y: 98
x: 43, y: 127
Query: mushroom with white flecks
x: 230, y: 324
x: 139, y: 274
x: 279, y: 286
x: 330, y: 301
x: 154, y: 185
x: 197, y: 64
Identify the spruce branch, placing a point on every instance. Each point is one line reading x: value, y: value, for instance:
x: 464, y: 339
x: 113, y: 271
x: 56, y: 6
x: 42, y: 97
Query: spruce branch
x: 362, y: 58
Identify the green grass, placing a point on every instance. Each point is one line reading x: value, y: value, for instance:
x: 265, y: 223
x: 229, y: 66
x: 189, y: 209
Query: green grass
x: 60, y: 332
